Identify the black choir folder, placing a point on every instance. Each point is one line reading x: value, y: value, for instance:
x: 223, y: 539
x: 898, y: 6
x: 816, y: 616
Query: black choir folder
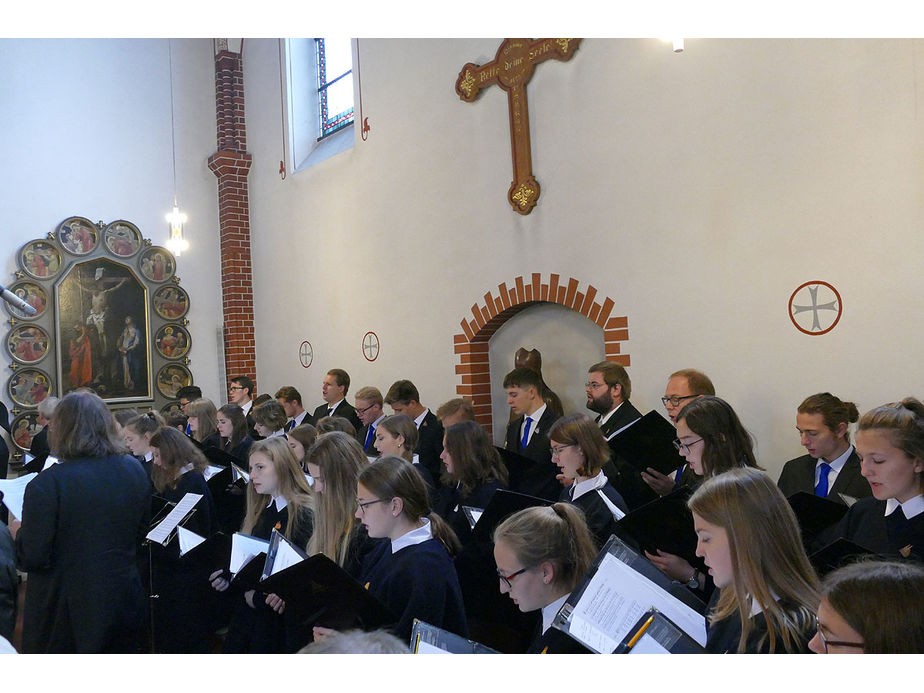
x: 317, y: 591
x: 839, y: 553
x: 648, y: 442
x: 428, y: 639
x: 655, y: 633
x: 503, y: 504
x: 815, y: 514
x: 619, y: 588
x: 664, y: 523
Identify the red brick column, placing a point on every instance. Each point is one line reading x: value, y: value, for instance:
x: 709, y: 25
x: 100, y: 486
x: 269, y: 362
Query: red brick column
x: 472, y: 344
x: 231, y: 164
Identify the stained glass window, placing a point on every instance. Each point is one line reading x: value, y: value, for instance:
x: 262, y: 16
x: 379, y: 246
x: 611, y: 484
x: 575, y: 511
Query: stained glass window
x: 335, y: 84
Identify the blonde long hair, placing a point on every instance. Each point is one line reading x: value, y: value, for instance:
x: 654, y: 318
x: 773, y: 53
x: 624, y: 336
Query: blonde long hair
x: 293, y: 486
x: 767, y: 554
x: 340, y: 460
x: 205, y: 413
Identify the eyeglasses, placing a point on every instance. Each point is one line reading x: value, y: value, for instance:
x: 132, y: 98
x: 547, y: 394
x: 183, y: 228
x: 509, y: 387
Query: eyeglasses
x: 363, y: 506
x: 233, y: 388
x: 838, y: 643
x: 363, y: 411
x: 556, y: 450
x: 508, y: 578
x: 594, y: 386
x: 680, y: 446
x: 675, y: 400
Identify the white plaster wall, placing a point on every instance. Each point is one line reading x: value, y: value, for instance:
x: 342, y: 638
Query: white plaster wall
x: 697, y: 189
x: 85, y: 126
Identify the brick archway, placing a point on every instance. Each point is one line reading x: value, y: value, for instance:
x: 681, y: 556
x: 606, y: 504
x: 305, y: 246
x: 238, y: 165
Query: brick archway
x: 472, y: 345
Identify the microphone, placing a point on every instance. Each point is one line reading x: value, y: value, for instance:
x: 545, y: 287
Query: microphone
x: 16, y: 301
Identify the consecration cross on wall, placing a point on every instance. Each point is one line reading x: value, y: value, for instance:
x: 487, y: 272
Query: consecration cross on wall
x: 511, y: 70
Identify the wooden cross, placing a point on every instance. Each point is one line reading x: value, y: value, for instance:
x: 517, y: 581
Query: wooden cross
x: 511, y: 70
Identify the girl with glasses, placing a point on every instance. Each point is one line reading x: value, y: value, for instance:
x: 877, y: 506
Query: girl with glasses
x: 580, y: 451
x: 872, y: 607
x: 541, y: 555
x: 412, y: 572
x: 712, y: 439
x: 767, y: 590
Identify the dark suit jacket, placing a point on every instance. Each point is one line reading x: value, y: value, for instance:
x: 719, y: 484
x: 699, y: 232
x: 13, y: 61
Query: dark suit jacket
x: 39, y: 450
x: 799, y: 475
x: 623, y: 476
x: 540, y: 480
x: 361, y: 439
x: 344, y: 409
x: 430, y: 444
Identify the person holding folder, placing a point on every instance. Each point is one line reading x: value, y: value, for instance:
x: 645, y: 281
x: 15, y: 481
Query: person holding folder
x: 712, y: 440
x: 335, y: 461
x: 181, y: 619
x: 580, y: 451
x: 234, y: 431
x: 541, y: 555
x: 412, y: 573
x: 472, y: 472
x: 767, y: 590
x: 278, y: 497
x: 890, y: 523
x: 82, y: 523
x: 871, y: 607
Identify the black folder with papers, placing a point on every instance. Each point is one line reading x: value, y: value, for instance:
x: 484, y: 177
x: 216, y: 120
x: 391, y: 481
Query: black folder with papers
x: 620, y: 586
x: 838, y: 553
x: 655, y: 633
x: 503, y: 504
x: 649, y: 442
x: 428, y: 639
x: 815, y: 514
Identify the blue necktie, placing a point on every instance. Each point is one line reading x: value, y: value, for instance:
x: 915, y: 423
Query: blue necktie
x: 679, y: 473
x: 369, y: 436
x: 821, y: 490
x: 525, y: 440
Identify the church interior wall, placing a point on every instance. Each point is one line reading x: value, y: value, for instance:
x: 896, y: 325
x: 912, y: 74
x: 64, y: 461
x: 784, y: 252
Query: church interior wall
x: 697, y: 190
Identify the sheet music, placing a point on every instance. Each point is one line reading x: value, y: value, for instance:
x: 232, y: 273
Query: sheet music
x: 28, y: 458
x: 243, y: 548
x: 616, y: 597
x: 188, y: 540
x: 14, y: 490
x: 161, y: 533
x: 424, y: 647
x: 848, y: 500
x: 211, y: 471
x: 286, y: 556
x: 239, y: 473
x: 49, y: 462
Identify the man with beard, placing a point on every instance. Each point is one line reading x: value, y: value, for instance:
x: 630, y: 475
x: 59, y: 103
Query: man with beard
x: 608, y: 388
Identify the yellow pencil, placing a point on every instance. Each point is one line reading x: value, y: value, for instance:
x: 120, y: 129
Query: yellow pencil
x: 641, y: 631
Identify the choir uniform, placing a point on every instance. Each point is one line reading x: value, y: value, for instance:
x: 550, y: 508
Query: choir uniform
x: 884, y: 527
x: 722, y: 636
x: 601, y: 503
x: 260, y: 629
x: 342, y: 408
x: 802, y: 474
x: 539, y: 479
x: 183, y: 615
x: 624, y: 478
x: 430, y: 444
x: 414, y: 577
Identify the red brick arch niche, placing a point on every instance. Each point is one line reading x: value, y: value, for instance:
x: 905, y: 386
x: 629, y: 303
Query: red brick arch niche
x: 499, y: 306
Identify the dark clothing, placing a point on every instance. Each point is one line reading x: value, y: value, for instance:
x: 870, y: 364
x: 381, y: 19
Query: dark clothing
x: 39, y: 451
x: 450, y: 501
x: 241, y: 451
x: 430, y: 445
x: 213, y: 441
x: 9, y: 583
x: 625, y: 478
x: 344, y: 409
x: 600, y: 519
x: 538, y: 480
x: 83, y: 521
x: 183, y: 612
x: 866, y: 525
x: 723, y: 636
x: 799, y: 475
x: 419, y: 581
x: 260, y: 630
